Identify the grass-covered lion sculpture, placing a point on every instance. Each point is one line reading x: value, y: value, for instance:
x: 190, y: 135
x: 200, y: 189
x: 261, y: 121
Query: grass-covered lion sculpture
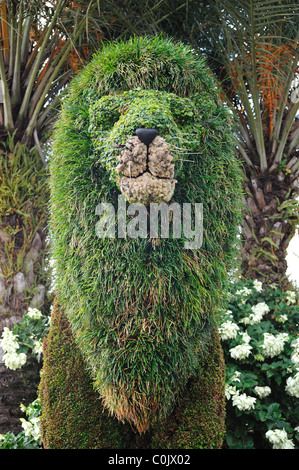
x: 133, y: 357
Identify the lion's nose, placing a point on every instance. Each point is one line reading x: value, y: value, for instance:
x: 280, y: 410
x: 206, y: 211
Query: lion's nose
x: 146, y: 135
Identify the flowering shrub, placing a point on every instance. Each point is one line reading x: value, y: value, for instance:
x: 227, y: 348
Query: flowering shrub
x: 30, y: 438
x: 24, y: 338
x: 259, y: 332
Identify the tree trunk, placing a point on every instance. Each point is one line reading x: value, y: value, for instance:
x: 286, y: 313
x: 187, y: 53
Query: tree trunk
x: 271, y: 216
x: 24, y: 279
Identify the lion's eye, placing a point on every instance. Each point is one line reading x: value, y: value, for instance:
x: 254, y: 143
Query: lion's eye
x: 104, y: 114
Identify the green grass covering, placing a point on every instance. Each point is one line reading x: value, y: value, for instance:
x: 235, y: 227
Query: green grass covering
x: 142, y: 310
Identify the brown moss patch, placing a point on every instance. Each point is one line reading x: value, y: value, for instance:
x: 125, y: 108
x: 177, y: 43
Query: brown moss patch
x: 72, y: 413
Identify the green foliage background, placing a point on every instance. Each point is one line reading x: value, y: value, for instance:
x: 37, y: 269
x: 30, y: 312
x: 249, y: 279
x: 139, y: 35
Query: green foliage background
x: 142, y: 311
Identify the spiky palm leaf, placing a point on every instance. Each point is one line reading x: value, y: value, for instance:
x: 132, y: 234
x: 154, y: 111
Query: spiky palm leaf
x: 261, y: 53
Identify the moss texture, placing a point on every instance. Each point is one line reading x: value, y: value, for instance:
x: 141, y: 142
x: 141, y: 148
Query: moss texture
x: 142, y: 310
x: 72, y: 413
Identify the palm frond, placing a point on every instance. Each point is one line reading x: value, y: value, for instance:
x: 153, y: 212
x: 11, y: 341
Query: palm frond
x: 252, y: 46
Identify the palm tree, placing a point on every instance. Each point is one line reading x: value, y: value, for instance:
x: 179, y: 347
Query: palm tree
x: 43, y: 43
x: 252, y: 48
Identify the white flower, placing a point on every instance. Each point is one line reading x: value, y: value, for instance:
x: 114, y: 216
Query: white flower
x: 9, y: 342
x: 228, y: 330
x: 295, y: 357
x: 279, y: 439
x: 34, y: 313
x: 250, y: 320
x: 241, y: 351
x: 292, y: 386
x: 295, y: 354
x: 229, y: 391
x: 32, y: 428
x: 243, y: 402
x: 257, y: 285
x: 243, y: 293
x: 235, y: 377
x: 291, y: 297
x: 36, y: 429
x: 262, y: 391
x: 14, y: 361
x: 38, y: 347
x: 246, y: 338
x: 256, y: 316
x: 27, y: 426
x: 228, y: 314
x: 273, y: 345
x: 261, y: 308
x: 282, y: 318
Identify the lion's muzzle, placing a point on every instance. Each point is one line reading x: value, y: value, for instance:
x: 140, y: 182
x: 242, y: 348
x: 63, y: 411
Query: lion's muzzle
x: 147, y: 168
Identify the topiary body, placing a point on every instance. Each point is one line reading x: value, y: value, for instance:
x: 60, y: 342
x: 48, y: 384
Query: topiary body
x: 73, y: 415
x: 142, y: 309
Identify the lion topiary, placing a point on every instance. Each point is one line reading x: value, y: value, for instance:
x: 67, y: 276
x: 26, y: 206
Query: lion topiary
x: 142, y: 125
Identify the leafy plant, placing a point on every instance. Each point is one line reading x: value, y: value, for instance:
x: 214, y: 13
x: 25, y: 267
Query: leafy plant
x: 259, y: 332
x: 24, y: 338
x: 30, y: 437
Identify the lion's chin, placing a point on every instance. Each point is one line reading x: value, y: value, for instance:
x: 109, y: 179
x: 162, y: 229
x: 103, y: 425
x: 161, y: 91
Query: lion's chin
x: 137, y: 409
x: 147, y: 189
